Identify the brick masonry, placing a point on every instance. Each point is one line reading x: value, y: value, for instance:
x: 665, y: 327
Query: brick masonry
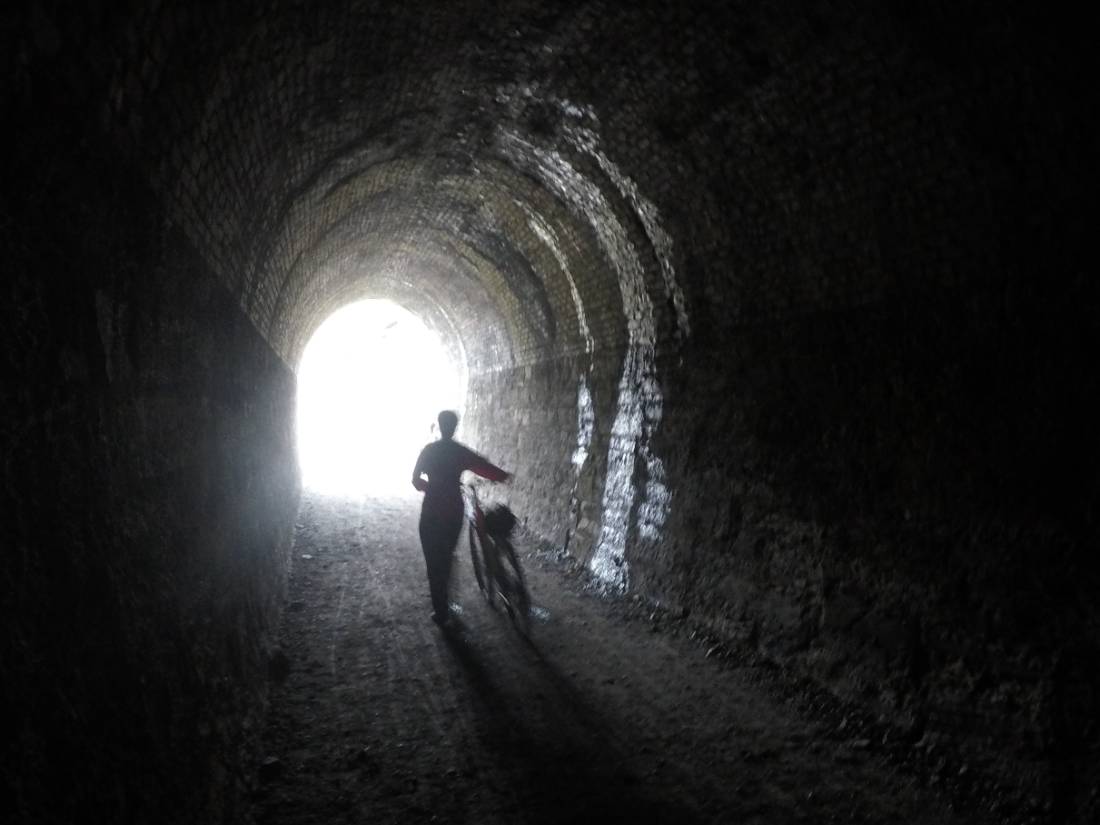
x: 819, y: 281
x: 149, y: 490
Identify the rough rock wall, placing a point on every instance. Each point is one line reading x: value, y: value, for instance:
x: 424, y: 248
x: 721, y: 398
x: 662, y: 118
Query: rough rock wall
x: 877, y: 437
x: 148, y: 491
x: 880, y: 438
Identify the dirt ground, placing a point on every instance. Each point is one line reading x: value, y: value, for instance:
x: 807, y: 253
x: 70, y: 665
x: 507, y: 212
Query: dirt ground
x: 605, y: 715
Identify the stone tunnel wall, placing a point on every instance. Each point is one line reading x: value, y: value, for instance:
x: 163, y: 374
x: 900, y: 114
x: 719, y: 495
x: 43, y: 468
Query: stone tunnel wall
x: 149, y: 487
x: 879, y: 434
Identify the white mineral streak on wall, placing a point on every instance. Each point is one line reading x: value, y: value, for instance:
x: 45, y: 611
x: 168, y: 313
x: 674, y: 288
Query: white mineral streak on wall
x: 639, y: 407
x: 588, y: 141
x: 655, y: 505
x: 586, y: 422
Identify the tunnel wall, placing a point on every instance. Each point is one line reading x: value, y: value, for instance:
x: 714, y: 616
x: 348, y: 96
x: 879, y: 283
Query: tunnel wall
x: 149, y: 490
x: 879, y: 435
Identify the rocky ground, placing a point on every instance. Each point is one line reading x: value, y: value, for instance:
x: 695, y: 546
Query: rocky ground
x: 608, y: 713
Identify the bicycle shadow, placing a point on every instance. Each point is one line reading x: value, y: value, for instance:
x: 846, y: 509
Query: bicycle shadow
x: 567, y: 761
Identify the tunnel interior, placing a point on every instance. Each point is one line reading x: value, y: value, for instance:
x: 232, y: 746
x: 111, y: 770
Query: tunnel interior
x: 782, y: 318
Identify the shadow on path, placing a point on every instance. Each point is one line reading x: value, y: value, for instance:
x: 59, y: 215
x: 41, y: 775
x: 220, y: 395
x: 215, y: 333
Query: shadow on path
x: 565, y: 762
x: 380, y: 717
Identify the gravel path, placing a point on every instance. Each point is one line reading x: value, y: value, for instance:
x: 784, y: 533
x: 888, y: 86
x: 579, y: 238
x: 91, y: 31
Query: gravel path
x: 382, y: 717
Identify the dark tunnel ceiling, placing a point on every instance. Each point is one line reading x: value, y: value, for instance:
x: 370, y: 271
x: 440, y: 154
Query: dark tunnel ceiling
x: 433, y: 154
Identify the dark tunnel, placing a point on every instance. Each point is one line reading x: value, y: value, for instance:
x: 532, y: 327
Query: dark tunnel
x: 780, y: 313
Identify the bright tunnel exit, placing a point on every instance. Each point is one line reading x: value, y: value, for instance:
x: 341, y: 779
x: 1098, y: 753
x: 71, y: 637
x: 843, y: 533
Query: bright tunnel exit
x: 370, y: 383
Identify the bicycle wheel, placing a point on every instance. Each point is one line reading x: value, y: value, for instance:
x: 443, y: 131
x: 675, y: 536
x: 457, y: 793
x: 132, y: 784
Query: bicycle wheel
x: 512, y: 586
x: 477, y: 560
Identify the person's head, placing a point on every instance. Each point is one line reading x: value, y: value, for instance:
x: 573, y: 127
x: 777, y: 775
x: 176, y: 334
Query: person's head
x: 448, y: 421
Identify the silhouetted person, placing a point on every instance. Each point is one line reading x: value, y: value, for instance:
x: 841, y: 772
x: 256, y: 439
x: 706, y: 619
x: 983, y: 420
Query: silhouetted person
x: 443, y: 462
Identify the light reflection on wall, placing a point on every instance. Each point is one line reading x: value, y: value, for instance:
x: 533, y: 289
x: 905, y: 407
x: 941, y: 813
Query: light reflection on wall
x: 639, y: 405
x: 370, y: 383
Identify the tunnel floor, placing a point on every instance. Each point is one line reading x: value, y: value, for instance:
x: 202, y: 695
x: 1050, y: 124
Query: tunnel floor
x: 602, y: 717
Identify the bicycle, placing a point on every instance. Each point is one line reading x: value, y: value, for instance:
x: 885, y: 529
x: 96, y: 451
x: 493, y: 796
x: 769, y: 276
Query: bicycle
x: 496, y: 565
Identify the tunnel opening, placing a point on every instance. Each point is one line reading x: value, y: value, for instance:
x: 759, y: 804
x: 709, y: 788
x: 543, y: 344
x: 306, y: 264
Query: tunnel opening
x: 371, y: 380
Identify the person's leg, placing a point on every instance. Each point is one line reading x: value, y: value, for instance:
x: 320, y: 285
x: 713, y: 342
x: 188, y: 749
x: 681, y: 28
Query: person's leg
x: 438, y: 539
x: 441, y: 603
x: 437, y: 561
x: 448, y: 538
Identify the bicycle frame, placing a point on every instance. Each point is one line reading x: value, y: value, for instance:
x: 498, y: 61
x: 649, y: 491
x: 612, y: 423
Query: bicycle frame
x: 496, y: 566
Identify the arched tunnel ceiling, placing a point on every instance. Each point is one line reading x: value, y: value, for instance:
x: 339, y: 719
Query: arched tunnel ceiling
x: 486, y: 243
x: 436, y: 154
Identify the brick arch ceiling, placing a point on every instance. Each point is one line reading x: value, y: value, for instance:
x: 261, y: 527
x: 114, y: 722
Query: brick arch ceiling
x: 409, y: 152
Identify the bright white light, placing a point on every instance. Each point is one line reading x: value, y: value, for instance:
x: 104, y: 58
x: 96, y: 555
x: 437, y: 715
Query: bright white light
x: 370, y: 384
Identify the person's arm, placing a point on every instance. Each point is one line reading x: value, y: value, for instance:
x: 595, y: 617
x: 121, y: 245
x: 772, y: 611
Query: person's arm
x: 418, y: 472
x: 485, y: 468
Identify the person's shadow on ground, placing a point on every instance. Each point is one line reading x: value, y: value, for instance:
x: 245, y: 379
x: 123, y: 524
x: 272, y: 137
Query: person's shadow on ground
x: 566, y: 761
